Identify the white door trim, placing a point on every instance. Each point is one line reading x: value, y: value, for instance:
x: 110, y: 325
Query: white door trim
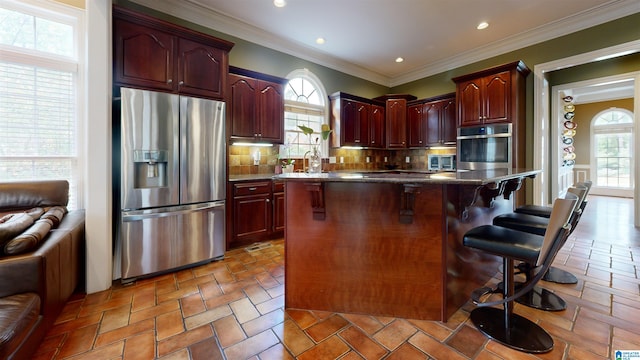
x: 541, y: 131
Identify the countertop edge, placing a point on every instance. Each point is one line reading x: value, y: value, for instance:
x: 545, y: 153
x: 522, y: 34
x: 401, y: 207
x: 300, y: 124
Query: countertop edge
x: 472, y: 177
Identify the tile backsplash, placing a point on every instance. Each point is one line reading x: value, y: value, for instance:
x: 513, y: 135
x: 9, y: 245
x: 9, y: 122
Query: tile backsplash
x: 241, y: 159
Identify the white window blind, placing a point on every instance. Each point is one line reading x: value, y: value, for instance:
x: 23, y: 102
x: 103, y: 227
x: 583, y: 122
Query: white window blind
x: 38, y: 101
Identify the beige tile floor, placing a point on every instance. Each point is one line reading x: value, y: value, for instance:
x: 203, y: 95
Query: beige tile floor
x: 234, y: 309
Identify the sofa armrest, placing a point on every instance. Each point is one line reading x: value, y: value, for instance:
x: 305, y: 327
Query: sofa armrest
x: 62, y: 253
x: 19, y: 274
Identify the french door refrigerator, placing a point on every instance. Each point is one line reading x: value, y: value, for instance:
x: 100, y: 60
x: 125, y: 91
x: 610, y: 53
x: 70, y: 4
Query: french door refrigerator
x: 172, y: 170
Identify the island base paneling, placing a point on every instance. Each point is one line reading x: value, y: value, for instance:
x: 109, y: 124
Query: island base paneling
x: 385, y: 249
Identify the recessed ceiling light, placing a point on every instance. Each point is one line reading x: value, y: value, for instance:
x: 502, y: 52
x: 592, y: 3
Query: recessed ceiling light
x: 320, y: 41
x: 483, y: 25
x: 279, y: 3
x: 399, y: 59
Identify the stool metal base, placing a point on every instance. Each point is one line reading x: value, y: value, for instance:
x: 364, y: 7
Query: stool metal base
x: 543, y: 299
x: 560, y: 276
x: 522, y: 334
x: 539, y: 298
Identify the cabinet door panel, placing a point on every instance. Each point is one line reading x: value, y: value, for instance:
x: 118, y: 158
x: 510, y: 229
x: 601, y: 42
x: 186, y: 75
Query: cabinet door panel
x: 496, y: 97
x: 376, y: 126
x: 242, y: 111
x: 415, y: 121
x: 449, y: 124
x: 278, y: 212
x: 348, y: 120
x: 270, y: 111
x: 201, y: 69
x: 396, y: 126
x: 251, y: 216
x: 143, y: 57
x: 470, y: 104
x: 362, y: 123
x: 432, y: 114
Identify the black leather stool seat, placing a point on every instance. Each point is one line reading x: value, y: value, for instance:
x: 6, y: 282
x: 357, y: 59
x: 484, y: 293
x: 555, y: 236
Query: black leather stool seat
x: 523, y: 222
x: 536, y: 210
x: 505, y: 242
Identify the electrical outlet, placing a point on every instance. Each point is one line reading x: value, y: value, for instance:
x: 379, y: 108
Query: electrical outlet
x: 386, y: 159
x: 341, y: 159
x: 407, y: 159
x: 332, y: 159
x: 368, y: 159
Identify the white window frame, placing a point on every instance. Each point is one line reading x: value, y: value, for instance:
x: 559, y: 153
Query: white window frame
x: 74, y: 17
x: 315, y: 81
x: 612, y: 129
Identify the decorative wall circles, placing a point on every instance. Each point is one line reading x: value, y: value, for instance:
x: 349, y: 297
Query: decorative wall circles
x: 569, y: 131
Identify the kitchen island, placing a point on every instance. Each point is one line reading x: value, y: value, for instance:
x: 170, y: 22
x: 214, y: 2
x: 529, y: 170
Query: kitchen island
x: 390, y: 243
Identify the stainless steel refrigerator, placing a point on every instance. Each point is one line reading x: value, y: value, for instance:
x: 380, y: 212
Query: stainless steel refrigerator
x: 172, y: 190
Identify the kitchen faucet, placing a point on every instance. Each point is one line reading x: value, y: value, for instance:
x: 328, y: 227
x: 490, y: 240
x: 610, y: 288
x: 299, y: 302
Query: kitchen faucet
x: 304, y: 157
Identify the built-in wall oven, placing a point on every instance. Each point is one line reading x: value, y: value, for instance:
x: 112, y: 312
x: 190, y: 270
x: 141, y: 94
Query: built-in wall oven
x: 484, y: 147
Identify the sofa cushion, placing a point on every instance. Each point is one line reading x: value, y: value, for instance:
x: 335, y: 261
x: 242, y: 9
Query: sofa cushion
x: 19, y: 315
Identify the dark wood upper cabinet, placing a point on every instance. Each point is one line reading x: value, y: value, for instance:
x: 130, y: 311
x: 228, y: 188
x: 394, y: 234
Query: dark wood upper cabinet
x: 395, y: 119
x: 416, y: 125
x: 202, y: 69
x: 255, y: 106
x: 492, y: 95
x: 396, y: 123
x: 143, y: 56
x: 432, y: 122
x: 376, y: 126
x: 356, y: 121
x: 154, y: 54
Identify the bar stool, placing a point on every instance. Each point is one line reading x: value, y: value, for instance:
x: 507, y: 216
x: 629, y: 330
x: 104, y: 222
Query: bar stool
x: 539, y: 297
x: 554, y: 274
x: 502, y: 325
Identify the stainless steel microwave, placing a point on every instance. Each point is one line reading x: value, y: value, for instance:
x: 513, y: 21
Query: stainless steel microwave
x: 442, y: 162
x: 484, y: 147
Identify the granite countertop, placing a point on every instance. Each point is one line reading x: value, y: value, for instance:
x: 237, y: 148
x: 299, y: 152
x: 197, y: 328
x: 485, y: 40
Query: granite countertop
x: 248, y: 177
x: 464, y: 177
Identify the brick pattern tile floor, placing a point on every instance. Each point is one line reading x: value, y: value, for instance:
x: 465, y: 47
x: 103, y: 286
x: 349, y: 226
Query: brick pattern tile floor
x: 234, y: 309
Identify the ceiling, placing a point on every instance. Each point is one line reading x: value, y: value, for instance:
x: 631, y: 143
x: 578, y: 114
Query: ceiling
x: 364, y: 37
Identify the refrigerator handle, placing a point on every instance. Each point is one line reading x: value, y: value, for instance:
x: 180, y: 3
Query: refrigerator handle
x: 152, y: 214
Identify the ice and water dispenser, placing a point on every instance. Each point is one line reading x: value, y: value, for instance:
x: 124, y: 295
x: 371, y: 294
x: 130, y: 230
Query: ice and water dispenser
x: 150, y: 168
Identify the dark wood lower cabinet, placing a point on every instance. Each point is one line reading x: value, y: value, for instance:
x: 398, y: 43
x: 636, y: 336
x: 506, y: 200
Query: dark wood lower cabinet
x: 256, y: 212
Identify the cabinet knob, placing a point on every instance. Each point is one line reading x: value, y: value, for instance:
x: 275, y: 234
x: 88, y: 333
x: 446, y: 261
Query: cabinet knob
x: 181, y: 83
x: 267, y: 200
x: 169, y: 81
x: 252, y: 189
x: 255, y: 135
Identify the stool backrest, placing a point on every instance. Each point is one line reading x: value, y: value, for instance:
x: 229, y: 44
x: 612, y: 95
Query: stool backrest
x: 558, y: 228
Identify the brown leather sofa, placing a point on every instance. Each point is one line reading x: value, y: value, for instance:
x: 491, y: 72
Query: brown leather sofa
x: 36, y: 284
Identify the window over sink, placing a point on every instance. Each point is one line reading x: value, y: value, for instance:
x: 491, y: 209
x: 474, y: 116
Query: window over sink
x: 304, y: 104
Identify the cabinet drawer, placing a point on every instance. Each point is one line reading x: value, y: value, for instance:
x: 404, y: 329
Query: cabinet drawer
x: 252, y: 188
x: 278, y: 186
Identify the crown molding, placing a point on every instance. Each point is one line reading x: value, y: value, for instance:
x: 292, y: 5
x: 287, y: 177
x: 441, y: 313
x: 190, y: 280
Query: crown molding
x: 194, y: 11
x: 584, y: 20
